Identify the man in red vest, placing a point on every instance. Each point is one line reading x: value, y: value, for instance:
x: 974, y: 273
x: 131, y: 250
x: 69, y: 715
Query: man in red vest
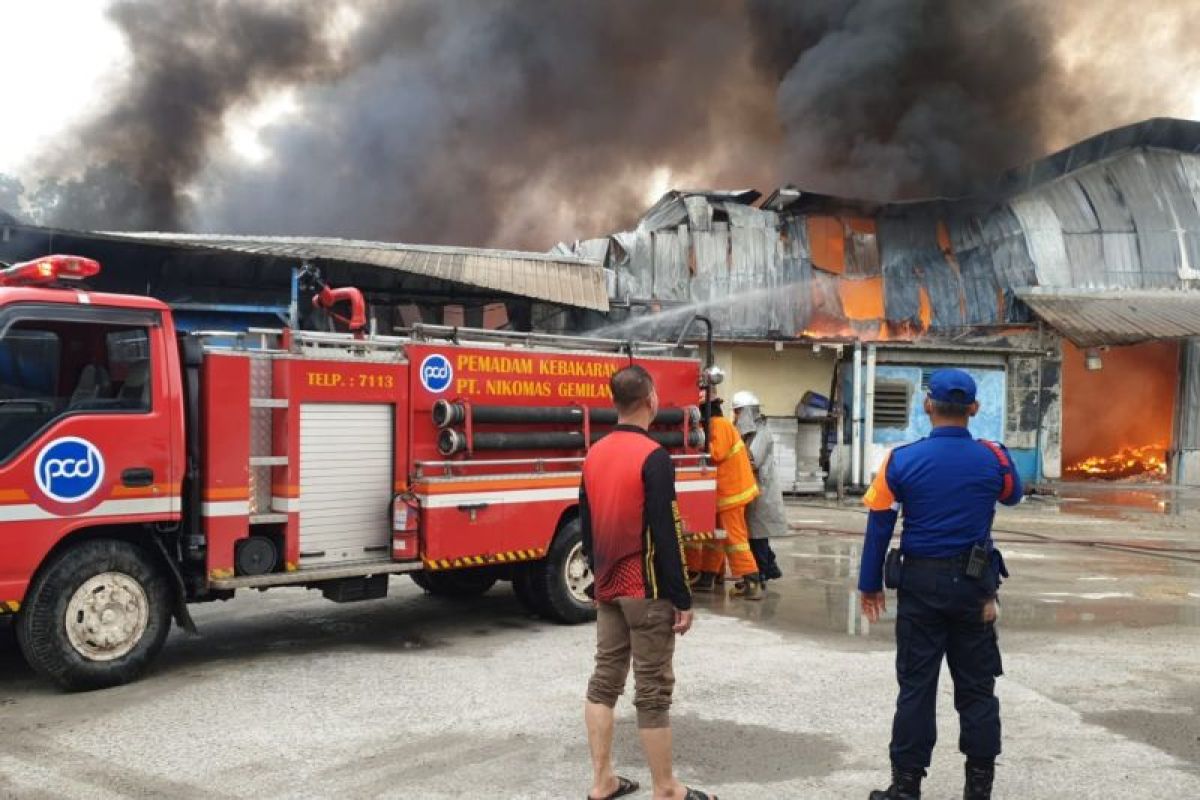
x: 633, y: 541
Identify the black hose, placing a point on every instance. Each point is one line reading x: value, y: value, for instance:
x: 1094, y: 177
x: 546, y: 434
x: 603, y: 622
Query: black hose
x: 666, y: 416
x: 447, y: 414
x: 451, y: 442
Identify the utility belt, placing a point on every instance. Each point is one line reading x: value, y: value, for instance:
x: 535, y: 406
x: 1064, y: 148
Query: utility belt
x: 981, y: 562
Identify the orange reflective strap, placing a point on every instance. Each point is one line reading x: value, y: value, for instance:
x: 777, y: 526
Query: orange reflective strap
x: 879, y: 496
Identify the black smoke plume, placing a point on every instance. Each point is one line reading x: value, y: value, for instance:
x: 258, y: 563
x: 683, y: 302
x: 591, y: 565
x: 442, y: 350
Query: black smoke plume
x: 520, y: 122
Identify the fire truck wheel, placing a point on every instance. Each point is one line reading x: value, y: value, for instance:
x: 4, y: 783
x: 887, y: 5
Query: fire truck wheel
x: 564, y: 578
x: 95, y: 616
x: 525, y: 588
x: 456, y: 583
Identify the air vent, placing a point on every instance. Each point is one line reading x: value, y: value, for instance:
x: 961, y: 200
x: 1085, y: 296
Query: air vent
x: 892, y: 404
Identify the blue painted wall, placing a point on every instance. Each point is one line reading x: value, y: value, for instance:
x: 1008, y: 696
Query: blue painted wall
x: 987, y: 424
x: 1026, y: 461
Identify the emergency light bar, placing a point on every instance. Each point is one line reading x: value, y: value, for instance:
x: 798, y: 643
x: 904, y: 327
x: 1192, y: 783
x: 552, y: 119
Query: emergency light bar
x: 49, y: 270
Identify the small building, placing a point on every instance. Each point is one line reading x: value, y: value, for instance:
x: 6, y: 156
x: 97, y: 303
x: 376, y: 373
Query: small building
x: 218, y: 282
x: 1070, y: 289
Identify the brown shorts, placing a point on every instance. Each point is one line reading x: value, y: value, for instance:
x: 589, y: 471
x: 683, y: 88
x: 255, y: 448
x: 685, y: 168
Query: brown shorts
x: 640, y: 629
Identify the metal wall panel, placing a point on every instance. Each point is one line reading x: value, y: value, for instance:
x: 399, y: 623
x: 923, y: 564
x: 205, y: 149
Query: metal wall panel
x: 346, y: 481
x: 901, y: 284
x: 1143, y: 181
x: 711, y: 251
x: 1043, y: 233
x: 671, y: 273
x: 752, y: 275
x: 1013, y: 262
x: 980, y: 289
x: 1071, y: 205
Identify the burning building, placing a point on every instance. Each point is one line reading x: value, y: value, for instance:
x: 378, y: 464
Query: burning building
x: 1070, y: 289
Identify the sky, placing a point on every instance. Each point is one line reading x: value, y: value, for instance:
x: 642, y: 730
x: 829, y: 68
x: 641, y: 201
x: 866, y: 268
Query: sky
x: 59, y: 56
x: 51, y: 91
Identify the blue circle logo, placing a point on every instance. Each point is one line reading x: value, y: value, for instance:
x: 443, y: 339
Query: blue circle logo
x: 436, y: 373
x: 69, y: 470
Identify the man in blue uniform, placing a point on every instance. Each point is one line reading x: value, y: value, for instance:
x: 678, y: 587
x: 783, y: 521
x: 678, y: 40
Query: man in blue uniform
x: 948, y: 574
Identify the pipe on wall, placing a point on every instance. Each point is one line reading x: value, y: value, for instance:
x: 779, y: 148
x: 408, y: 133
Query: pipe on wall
x: 856, y: 419
x: 868, y: 436
x: 1185, y: 449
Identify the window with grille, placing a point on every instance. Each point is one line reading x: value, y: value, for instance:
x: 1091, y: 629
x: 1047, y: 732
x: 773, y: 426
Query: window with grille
x: 892, y: 404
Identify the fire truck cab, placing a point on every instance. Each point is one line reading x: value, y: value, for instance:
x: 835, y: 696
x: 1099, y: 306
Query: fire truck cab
x: 142, y: 470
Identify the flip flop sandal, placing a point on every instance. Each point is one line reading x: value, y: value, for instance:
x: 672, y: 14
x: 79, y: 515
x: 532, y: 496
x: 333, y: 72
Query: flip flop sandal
x: 696, y: 794
x: 624, y: 787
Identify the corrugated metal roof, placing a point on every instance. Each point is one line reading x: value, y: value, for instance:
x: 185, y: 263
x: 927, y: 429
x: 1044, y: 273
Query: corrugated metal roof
x: 1093, y: 319
x: 557, y: 279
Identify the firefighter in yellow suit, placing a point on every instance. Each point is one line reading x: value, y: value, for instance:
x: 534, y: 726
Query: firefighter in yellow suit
x: 736, y: 488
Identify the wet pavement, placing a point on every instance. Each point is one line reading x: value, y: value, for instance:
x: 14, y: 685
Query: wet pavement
x: 287, y: 695
x: 1064, y: 576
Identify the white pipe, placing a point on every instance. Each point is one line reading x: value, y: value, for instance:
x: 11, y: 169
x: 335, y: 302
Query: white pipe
x: 856, y: 420
x: 869, y: 413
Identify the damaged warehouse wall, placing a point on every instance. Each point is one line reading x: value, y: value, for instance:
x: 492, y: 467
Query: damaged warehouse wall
x: 1022, y: 263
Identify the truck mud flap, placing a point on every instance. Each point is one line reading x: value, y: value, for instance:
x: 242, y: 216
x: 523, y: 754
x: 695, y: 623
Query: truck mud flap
x: 183, y: 617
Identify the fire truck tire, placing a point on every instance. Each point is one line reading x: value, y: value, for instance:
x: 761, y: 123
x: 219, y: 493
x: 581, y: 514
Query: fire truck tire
x: 96, y: 615
x: 563, y: 576
x: 525, y: 588
x: 458, y: 583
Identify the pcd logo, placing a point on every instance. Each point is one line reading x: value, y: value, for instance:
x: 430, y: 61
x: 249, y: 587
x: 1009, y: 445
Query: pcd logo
x: 436, y: 373
x: 69, y: 469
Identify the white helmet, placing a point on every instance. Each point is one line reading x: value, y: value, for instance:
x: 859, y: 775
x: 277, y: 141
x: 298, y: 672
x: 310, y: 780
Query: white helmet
x: 743, y: 399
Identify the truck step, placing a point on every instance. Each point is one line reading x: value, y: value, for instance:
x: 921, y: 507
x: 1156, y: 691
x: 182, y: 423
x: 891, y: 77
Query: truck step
x: 268, y: 461
x: 330, y: 572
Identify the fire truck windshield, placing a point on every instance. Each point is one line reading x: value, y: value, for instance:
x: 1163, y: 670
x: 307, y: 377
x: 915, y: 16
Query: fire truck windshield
x: 52, y: 368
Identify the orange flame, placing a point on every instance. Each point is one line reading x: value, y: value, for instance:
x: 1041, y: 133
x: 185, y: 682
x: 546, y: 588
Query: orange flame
x: 1130, y: 461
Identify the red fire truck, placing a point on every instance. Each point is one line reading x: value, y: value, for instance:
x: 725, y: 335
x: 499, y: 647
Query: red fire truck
x: 142, y: 470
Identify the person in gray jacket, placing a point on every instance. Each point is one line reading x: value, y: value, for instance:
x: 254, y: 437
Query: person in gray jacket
x: 765, y: 516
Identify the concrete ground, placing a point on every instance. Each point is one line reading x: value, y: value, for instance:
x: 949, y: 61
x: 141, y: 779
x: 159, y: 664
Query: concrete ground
x: 287, y: 695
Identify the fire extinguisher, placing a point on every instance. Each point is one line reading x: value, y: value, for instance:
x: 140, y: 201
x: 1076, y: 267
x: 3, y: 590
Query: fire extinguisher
x: 406, y: 527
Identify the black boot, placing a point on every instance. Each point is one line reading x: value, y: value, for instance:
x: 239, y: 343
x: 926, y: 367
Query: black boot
x: 978, y: 785
x: 906, y: 785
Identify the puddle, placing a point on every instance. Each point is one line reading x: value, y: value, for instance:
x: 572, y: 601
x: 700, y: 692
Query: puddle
x: 1053, y: 586
x: 1104, y: 500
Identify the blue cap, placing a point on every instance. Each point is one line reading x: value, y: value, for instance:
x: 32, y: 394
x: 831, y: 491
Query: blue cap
x: 952, y: 386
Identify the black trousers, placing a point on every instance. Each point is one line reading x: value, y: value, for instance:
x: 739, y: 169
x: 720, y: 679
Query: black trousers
x: 764, y: 556
x: 939, y: 615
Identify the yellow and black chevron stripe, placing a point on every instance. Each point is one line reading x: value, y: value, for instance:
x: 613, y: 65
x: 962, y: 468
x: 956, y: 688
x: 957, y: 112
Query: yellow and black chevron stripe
x: 9, y: 607
x: 699, y: 536
x: 509, y: 557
